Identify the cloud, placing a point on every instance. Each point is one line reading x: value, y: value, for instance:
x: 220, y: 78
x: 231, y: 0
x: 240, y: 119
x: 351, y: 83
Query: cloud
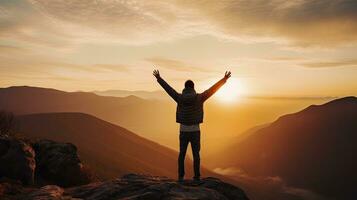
x: 21, y: 23
x: 326, y: 64
x: 177, y: 65
x: 229, y: 171
x: 62, y: 23
x: 300, y: 22
x: 111, y: 67
x: 133, y: 22
x: 283, y: 59
x: 269, y: 187
x: 9, y: 49
x: 20, y: 64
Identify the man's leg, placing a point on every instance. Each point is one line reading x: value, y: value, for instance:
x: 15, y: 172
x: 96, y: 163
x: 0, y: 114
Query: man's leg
x: 181, y: 159
x: 196, y: 146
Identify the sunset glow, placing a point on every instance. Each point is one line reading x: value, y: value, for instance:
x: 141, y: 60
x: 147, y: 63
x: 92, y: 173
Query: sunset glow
x: 261, y: 92
x: 115, y: 45
x: 231, y: 92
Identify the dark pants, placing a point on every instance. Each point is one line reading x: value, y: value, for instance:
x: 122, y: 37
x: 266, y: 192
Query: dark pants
x: 194, y: 139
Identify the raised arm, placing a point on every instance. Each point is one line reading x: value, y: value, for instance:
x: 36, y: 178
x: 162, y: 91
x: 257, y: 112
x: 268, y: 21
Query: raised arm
x: 213, y: 89
x: 172, y: 92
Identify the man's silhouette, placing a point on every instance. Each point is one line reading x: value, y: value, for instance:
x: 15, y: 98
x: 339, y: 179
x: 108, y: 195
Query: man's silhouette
x: 189, y: 114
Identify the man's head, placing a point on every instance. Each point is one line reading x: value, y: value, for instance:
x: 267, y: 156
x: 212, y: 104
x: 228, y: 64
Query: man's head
x: 189, y: 84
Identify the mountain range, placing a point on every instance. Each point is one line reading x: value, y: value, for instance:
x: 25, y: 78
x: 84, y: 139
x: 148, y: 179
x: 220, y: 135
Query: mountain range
x: 315, y: 149
x: 151, y: 118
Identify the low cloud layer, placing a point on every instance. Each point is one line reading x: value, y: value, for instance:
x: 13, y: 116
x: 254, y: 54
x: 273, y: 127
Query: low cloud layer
x: 267, y: 187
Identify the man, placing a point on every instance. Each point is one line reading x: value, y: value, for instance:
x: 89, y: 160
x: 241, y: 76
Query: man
x: 189, y: 114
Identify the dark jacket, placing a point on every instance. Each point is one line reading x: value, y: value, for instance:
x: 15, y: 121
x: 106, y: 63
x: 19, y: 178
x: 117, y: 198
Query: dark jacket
x: 190, y: 104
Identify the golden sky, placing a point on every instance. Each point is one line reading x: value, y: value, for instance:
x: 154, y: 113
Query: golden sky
x: 273, y: 47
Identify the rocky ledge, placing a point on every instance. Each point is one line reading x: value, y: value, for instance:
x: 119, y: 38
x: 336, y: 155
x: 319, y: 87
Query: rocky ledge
x: 49, y: 170
x: 131, y: 186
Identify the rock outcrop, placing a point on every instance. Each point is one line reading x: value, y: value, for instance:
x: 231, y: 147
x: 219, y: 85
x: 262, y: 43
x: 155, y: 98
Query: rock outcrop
x: 17, y: 160
x: 58, y: 163
x: 134, y: 186
x: 41, y: 163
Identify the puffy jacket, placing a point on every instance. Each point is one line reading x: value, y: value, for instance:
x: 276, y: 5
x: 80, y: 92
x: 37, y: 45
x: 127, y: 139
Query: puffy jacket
x: 189, y: 103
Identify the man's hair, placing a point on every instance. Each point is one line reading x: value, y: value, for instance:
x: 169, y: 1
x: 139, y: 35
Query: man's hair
x: 189, y: 84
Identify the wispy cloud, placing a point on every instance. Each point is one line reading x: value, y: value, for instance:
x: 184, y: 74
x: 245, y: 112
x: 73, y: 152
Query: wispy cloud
x: 283, y: 59
x: 8, y: 49
x: 110, y: 67
x: 177, y: 65
x: 133, y: 22
x: 300, y: 22
x: 16, y: 65
x: 336, y: 63
x: 21, y: 22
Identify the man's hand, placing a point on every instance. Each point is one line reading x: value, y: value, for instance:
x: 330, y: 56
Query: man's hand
x: 227, y: 75
x: 156, y: 73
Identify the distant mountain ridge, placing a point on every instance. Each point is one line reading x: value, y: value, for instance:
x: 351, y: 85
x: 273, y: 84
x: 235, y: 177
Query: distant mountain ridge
x: 315, y: 149
x: 158, y: 95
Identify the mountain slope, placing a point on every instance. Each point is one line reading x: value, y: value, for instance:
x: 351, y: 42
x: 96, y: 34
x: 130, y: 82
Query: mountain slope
x: 139, y: 115
x: 110, y: 149
x: 315, y: 149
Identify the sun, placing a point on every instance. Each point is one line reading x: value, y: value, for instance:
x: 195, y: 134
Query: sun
x: 231, y: 91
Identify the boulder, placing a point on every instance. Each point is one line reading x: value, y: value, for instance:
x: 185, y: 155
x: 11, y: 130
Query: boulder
x: 17, y: 160
x: 58, y: 163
